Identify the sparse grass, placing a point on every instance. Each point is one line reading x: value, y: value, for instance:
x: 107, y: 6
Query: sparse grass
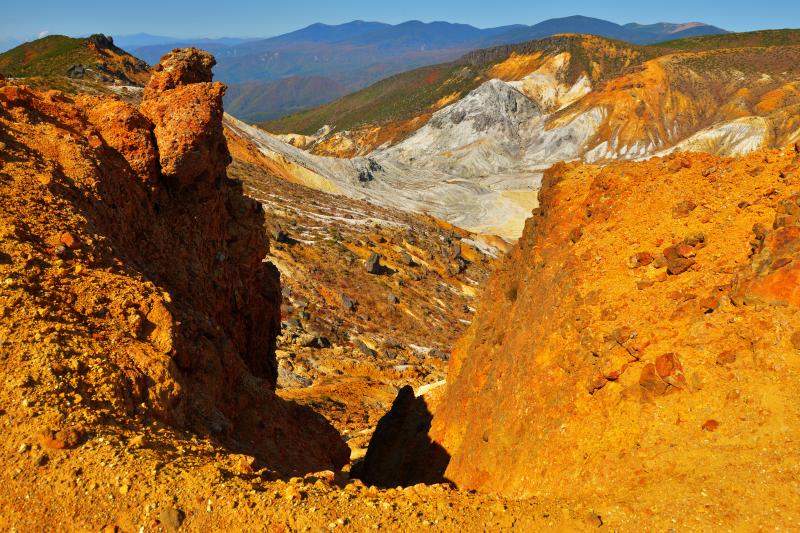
x: 49, y: 56
x: 731, y: 40
x: 394, y: 98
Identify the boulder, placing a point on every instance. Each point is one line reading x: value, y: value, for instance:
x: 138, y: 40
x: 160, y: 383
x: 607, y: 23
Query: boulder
x: 373, y: 264
x: 182, y: 66
x: 186, y: 110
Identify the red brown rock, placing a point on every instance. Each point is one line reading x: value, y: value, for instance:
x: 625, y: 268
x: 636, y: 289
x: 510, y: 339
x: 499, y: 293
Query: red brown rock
x: 182, y: 66
x: 61, y: 439
x: 167, y: 255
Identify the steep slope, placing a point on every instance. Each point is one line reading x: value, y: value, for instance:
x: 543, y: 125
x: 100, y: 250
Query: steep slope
x: 419, y: 92
x: 145, y: 263
x: 481, y: 205
x: 74, y: 64
x: 641, y: 341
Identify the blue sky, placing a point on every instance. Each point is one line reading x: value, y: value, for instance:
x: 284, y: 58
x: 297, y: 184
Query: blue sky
x: 262, y: 18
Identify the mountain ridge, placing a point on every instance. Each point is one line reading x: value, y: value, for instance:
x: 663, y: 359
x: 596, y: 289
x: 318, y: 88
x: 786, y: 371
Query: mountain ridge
x: 74, y: 64
x: 358, y: 53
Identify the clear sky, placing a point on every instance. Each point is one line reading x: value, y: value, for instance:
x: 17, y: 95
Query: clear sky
x: 263, y: 18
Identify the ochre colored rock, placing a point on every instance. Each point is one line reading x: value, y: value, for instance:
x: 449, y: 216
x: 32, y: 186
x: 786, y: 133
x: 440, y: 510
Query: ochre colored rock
x: 182, y: 66
x: 188, y: 131
x: 160, y: 260
x: 652, y: 400
x: 126, y: 131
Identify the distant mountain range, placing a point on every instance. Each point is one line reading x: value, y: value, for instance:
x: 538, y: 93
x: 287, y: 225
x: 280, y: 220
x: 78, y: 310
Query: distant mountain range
x: 273, y: 77
x: 354, y: 55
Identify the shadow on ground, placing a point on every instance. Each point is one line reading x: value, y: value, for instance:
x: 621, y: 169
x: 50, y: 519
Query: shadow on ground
x: 401, y: 453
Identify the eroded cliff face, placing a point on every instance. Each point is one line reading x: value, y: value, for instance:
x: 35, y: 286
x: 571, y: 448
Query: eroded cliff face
x: 640, y: 346
x: 145, y: 264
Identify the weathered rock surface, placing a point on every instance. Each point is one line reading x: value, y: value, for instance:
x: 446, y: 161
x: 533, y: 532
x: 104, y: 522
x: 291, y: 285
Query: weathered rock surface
x: 142, y: 242
x: 631, y: 387
x: 182, y: 66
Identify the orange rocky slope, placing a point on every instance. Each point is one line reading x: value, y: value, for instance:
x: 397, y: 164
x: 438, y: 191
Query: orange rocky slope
x: 133, y: 275
x: 137, y: 328
x: 640, y: 348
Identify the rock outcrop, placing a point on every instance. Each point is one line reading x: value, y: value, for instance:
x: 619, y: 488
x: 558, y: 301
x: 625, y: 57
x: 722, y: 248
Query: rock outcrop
x: 638, y: 354
x: 147, y: 246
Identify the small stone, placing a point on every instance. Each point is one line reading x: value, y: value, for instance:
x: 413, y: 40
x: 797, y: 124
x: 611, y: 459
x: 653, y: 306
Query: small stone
x: 69, y: 240
x: 709, y: 304
x: 326, y: 475
x: 41, y: 460
x: 171, y: 518
x: 363, y: 348
x: 682, y: 209
x: 650, y: 381
x: 669, y: 369
x: 57, y: 369
x: 23, y: 447
x: 726, y: 358
x: 392, y: 299
x: 124, y: 489
x: 278, y: 234
x: 348, y: 303
x: 291, y: 493
x: 139, y: 441
x: 644, y: 284
x: 780, y: 263
x: 679, y: 266
x: 61, y: 251
x: 373, y: 264
x: 644, y: 258
x: 795, y: 340
x: 60, y: 440
x: 710, y: 425
x: 576, y: 234
x: 596, y: 382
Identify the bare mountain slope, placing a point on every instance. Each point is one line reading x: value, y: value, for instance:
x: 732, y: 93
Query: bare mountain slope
x: 88, y: 64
